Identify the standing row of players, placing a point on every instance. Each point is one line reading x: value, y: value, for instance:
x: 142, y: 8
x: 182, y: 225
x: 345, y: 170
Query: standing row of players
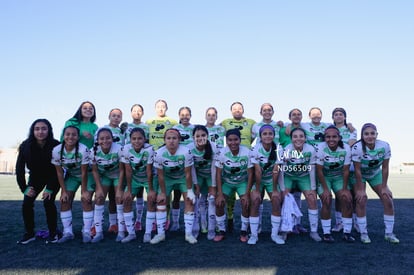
x: 194, y: 162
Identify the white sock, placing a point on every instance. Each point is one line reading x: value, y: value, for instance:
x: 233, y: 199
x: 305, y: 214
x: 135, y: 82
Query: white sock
x: 149, y: 221
x: 389, y: 223
x: 120, y: 216
x: 254, y: 225
x: 139, y: 208
x: 221, y: 222
x: 313, y: 219
x: 188, y: 222
x: 326, y: 226
x: 161, y: 217
x: 98, y: 217
x: 87, y: 221
x: 347, y: 222
x: 66, y: 217
x: 245, y: 223
x: 362, y: 223
x: 275, y: 220
x: 211, y: 213
x: 129, y: 223
x: 112, y: 218
x: 338, y: 217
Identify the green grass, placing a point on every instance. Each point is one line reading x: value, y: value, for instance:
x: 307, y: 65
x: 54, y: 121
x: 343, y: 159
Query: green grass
x: 174, y: 256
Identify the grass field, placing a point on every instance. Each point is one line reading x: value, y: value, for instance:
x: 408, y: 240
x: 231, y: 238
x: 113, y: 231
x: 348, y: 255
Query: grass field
x: 174, y: 256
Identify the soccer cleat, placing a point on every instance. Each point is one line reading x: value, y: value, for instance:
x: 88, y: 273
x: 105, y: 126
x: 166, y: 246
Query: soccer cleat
x: 98, y: 237
x: 190, y: 238
x: 204, y: 230
x: 129, y: 238
x: 146, y: 238
x: 158, y: 238
x: 175, y: 226
x: 211, y: 234
x: 338, y: 227
x: 138, y: 226
x: 86, y: 237
x: 120, y: 236
x: 315, y: 236
x: 243, y: 236
x: 27, y: 238
x: 327, y: 238
x: 365, y: 238
x: 219, y: 236
x: 390, y: 237
x: 278, y: 239
x: 53, y: 238
x: 113, y: 228
x: 347, y: 237
x: 66, y: 237
x: 253, y: 239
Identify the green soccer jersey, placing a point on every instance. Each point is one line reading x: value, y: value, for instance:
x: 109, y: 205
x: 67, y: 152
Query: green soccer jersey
x: 157, y: 128
x: 71, y: 161
x: 108, y: 163
x: 87, y: 131
x: 131, y: 126
x: 244, y: 125
x: 138, y: 161
x: 333, y: 161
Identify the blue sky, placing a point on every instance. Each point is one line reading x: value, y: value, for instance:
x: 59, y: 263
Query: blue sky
x: 354, y: 54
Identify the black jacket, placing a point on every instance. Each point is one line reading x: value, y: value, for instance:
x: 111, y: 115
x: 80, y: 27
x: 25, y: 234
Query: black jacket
x: 38, y: 161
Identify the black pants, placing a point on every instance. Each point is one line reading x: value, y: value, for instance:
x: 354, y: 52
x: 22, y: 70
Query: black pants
x: 50, y: 208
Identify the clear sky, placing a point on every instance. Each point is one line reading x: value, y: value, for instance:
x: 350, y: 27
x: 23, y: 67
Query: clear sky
x: 353, y: 54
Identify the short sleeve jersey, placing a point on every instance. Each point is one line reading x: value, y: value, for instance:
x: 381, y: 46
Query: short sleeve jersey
x: 333, y: 161
x: 257, y: 126
x: 346, y: 134
x: 260, y: 156
x: 314, y: 134
x: 71, y: 161
x: 234, y: 168
x: 138, y: 161
x: 116, y: 133
x: 202, y: 165
x: 131, y: 126
x: 296, y: 163
x: 157, y: 128
x: 371, y: 161
x: 244, y: 125
x: 186, y: 133
x: 216, y: 134
x: 108, y: 163
x: 173, y: 165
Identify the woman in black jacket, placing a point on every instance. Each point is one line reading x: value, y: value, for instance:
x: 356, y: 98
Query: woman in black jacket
x: 35, y: 154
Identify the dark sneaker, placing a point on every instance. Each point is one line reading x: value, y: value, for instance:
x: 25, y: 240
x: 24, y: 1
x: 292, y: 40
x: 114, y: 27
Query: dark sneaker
x: 27, y: 238
x: 53, y: 238
x: 347, y: 237
x: 327, y: 238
